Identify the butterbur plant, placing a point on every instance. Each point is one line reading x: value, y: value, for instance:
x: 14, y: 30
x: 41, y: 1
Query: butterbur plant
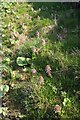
x: 65, y: 30
x: 37, y: 34
x: 32, y: 8
x: 4, y: 89
x: 34, y: 71
x: 43, y: 42
x: 40, y: 61
x: 57, y: 108
x: 22, y: 37
x: 30, y: 17
x: 48, y: 70
x: 16, y: 34
x: 38, y: 17
x: 41, y: 80
x: 35, y: 50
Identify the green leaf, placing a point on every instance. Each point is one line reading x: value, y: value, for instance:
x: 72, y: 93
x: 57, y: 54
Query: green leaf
x: 1, y: 87
x: 28, y: 60
x: 0, y: 110
x: 4, y: 111
x: 66, y: 101
x: 21, y: 61
x: 6, y: 60
x: 4, y: 88
x: 1, y: 94
x: 5, y: 5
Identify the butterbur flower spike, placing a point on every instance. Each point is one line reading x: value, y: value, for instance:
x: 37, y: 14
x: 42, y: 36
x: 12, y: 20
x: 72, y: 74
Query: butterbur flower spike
x: 57, y: 108
x: 37, y: 34
x: 49, y: 73
x: 59, y: 36
x: 35, y: 50
x: 30, y: 17
x: 65, y: 30
x: 41, y: 80
x: 32, y: 9
x: 48, y: 70
x: 34, y: 71
x: 16, y: 34
x: 38, y: 18
x: 43, y: 42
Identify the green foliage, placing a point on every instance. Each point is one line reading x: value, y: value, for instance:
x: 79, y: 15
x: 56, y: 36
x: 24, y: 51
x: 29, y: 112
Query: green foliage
x: 3, y: 110
x: 3, y: 90
x: 35, y: 36
x: 21, y: 61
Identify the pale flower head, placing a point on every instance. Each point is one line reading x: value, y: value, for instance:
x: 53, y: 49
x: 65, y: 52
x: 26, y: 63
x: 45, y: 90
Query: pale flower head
x: 43, y: 42
x: 37, y: 34
x: 32, y: 9
x: 35, y: 50
x: 38, y: 17
x: 34, y: 71
x: 30, y: 17
x: 65, y: 30
x: 57, y: 108
x: 48, y: 70
x: 41, y: 80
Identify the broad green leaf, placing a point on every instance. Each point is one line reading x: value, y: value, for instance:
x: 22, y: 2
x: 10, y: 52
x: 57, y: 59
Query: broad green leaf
x: 66, y: 101
x: 1, y: 94
x: 1, y: 87
x: 28, y: 60
x: 21, y: 61
x: 0, y: 110
x: 6, y: 60
x: 4, y: 111
x: 4, y: 88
